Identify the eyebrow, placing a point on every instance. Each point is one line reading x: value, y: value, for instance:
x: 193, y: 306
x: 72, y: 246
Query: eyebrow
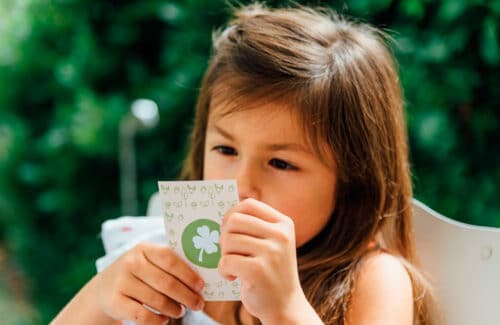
x: 222, y: 132
x: 271, y: 147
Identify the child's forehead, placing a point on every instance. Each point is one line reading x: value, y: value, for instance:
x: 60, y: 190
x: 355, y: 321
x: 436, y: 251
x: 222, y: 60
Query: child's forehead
x: 235, y: 94
x: 260, y: 112
x: 251, y: 106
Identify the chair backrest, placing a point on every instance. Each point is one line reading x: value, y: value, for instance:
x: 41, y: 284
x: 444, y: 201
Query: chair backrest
x: 463, y: 262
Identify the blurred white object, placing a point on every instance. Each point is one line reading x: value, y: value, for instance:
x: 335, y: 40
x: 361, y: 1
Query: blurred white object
x: 464, y: 264
x: 145, y: 111
x: 143, y: 115
x: 118, y: 232
x: 122, y: 234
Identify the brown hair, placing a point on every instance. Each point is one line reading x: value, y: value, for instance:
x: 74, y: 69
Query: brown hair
x: 341, y: 79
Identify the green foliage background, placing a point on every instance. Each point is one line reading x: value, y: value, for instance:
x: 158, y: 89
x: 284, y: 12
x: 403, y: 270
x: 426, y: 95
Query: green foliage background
x: 69, y: 70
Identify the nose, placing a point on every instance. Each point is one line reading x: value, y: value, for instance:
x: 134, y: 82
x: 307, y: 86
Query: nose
x: 248, y: 179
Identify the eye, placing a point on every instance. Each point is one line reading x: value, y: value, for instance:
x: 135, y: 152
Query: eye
x: 225, y: 150
x: 281, y: 164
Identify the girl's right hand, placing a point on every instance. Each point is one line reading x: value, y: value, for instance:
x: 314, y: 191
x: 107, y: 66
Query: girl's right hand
x: 152, y: 275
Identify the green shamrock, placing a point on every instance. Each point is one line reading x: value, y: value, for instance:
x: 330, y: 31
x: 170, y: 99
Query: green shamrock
x: 200, y: 242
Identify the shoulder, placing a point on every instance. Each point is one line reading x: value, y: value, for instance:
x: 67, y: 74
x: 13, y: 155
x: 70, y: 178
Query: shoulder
x: 382, y: 292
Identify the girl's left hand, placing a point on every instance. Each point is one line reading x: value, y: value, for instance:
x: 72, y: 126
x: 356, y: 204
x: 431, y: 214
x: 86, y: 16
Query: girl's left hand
x: 258, y: 247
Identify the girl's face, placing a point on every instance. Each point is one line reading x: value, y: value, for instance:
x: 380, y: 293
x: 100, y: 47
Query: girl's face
x: 266, y: 151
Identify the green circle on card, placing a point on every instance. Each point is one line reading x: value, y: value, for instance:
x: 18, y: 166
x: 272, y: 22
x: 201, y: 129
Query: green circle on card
x: 200, y: 243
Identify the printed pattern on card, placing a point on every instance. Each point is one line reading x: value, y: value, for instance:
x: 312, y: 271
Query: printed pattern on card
x: 193, y: 212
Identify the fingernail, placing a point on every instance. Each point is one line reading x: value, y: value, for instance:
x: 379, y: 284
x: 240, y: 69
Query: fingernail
x: 199, y: 285
x: 183, y: 311
x: 200, y: 305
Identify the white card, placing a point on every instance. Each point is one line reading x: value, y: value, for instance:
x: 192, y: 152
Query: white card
x: 192, y: 213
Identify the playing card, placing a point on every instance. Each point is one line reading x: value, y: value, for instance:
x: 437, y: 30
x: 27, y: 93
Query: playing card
x: 193, y: 211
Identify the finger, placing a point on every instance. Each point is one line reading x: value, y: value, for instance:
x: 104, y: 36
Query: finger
x: 144, y: 294
x: 167, y: 260
x: 240, y: 223
x: 239, y: 244
x: 233, y: 266
x: 258, y: 209
x: 136, y: 312
x: 168, y: 285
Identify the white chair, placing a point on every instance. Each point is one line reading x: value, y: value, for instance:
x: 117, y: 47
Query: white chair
x: 462, y: 260
x: 464, y: 263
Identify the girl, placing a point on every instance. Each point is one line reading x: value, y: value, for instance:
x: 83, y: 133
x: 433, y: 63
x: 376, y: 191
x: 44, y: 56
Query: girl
x: 303, y: 109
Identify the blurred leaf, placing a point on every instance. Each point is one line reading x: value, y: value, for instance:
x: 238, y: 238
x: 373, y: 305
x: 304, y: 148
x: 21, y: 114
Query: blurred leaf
x: 435, y: 134
x: 171, y: 12
x: 435, y: 50
x: 450, y: 10
x: 461, y: 83
x: 490, y: 48
x: 364, y: 7
x: 412, y: 8
x: 494, y: 6
x: 13, y: 136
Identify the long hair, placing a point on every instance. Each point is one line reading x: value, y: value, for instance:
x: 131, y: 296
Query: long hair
x: 341, y: 79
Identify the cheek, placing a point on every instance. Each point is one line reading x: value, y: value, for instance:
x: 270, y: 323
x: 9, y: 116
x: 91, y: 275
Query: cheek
x: 212, y: 167
x: 309, y: 213
x: 208, y: 169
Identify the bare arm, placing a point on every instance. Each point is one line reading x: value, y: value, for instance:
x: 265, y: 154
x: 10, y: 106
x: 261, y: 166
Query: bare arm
x: 383, y: 293
x: 83, y: 309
